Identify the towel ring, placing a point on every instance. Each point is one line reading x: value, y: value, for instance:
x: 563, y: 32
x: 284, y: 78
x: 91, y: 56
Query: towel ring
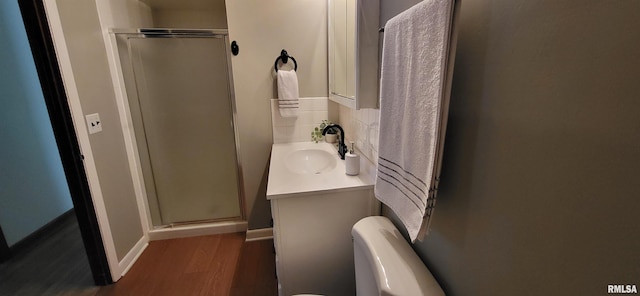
x: 285, y: 58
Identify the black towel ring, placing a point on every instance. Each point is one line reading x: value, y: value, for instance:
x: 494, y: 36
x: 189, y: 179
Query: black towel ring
x: 285, y: 58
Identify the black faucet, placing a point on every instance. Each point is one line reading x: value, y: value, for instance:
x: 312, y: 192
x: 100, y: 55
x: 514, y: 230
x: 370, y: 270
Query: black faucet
x: 342, y: 148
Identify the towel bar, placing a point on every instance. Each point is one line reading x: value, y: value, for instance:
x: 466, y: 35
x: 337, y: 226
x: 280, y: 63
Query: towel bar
x: 284, y: 56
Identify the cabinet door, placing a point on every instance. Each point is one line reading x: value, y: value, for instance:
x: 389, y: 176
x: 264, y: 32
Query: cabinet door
x: 313, y: 241
x: 353, y: 52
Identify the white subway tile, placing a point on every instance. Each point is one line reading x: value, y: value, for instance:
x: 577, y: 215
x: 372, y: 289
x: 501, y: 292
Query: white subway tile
x: 306, y: 117
x: 283, y: 134
x: 278, y: 120
x: 320, y: 104
x: 353, y: 127
x: 374, y: 157
x: 334, y: 111
x: 376, y: 139
x: 363, y: 115
x: 274, y: 109
x: 374, y: 116
x: 360, y: 126
x: 344, y: 113
x: 306, y: 104
x: 303, y: 132
x: 319, y: 116
x: 366, y: 117
x: 371, y: 134
x: 357, y: 115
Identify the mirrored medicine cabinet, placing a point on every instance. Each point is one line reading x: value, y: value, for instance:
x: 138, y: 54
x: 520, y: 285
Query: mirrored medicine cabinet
x: 353, y: 52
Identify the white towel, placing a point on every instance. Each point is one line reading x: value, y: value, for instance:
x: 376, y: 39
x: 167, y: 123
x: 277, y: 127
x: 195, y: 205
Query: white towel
x: 288, y: 93
x: 413, y: 76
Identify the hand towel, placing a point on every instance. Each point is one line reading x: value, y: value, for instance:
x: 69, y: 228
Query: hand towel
x: 414, y: 58
x: 288, y: 93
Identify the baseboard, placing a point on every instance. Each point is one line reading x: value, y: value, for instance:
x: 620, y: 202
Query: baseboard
x: 127, y: 262
x: 259, y: 234
x: 197, y: 230
x: 32, y: 239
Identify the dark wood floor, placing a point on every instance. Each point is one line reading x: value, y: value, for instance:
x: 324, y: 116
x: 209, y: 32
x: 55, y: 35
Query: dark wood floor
x: 207, y: 265
x: 55, y: 264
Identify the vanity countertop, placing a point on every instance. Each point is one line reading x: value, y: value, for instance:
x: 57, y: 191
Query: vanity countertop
x: 284, y: 182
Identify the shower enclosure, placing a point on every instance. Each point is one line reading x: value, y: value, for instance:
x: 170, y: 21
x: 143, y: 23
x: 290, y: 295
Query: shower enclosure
x: 180, y: 94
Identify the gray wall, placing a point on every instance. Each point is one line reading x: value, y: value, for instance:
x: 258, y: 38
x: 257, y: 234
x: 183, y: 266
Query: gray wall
x: 91, y: 73
x: 539, y: 191
x: 33, y: 187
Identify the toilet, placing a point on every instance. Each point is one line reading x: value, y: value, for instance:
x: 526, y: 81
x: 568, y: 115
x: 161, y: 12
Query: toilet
x: 385, y: 263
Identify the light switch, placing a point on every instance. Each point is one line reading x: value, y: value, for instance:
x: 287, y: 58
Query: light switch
x: 94, y: 123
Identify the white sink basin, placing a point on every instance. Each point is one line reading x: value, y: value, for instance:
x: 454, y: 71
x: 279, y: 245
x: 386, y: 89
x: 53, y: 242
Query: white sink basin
x: 304, y: 167
x: 310, y: 161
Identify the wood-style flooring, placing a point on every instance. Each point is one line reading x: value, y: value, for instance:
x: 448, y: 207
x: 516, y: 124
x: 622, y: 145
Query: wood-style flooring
x: 208, y: 265
x: 55, y: 264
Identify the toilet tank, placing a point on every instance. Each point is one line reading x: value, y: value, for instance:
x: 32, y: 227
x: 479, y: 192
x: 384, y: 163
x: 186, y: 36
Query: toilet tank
x: 385, y: 263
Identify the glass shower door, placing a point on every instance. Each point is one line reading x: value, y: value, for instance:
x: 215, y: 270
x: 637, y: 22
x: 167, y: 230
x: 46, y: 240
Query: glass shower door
x: 185, y: 111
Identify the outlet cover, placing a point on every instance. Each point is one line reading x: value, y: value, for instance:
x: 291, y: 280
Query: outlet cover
x: 94, y: 123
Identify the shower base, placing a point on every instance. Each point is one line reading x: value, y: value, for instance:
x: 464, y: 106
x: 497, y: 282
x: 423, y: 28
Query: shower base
x: 188, y: 230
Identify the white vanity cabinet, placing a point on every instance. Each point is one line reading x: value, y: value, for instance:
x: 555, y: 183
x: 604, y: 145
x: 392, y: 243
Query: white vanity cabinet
x: 312, y: 219
x: 312, y: 237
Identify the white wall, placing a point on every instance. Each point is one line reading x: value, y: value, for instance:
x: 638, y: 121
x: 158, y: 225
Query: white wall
x: 191, y: 19
x: 124, y: 14
x: 80, y: 47
x: 84, y: 40
x: 262, y: 29
x: 190, y: 14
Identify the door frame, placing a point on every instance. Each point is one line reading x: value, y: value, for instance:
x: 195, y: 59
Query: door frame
x: 44, y: 55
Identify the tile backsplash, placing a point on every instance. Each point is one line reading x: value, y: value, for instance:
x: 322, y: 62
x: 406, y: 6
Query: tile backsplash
x: 298, y: 129
x: 360, y: 126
